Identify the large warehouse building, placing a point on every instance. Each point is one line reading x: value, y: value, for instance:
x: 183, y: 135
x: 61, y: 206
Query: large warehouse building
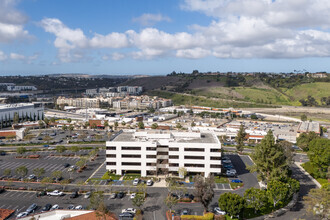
x: 163, y: 152
x: 25, y: 112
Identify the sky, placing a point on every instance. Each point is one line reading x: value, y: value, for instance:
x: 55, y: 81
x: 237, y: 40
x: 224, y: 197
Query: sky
x: 157, y: 37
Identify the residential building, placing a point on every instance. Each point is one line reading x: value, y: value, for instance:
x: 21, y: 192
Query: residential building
x: 156, y: 152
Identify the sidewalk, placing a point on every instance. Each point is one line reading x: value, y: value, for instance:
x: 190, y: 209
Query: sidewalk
x: 161, y: 183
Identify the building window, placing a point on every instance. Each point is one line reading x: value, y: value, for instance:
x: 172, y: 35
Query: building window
x: 215, y: 158
x: 151, y: 148
x: 173, y: 149
x: 173, y: 157
x: 194, y: 157
x: 215, y: 166
x: 111, y: 155
x: 215, y: 150
x: 162, y: 153
x: 150, y: 164
x: 151, y: 156
x: 130, y: 148
x: 131, y: 156
x: 173, y: 164
x: 194, y: 149
x: 111, y: 163
x: 193, y: 165
x: 130, y: 164
x: 111, y: 148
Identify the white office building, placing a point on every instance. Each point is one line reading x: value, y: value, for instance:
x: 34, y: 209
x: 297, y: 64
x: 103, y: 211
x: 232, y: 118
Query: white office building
x: 33, y: 111
x: 163, y: 152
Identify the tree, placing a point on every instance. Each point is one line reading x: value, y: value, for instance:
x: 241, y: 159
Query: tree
x: 254, y: 117
x: 277, y: 191
x: 60, y: 148
x: 178, y: 126
x: 7, y: 172
x: 303, y: 117
x: 182, y: 172
x: 71, y: 128
x: 80, y: 163
x: 21, y: 171
x: 204, y: 190
x: 41, y: 123
x: 231, y: 203
x: 256, y: 198
x: 318, y: 202
x: 269, y: 160
x: 123, y: 123
x: 64, y: 128
x: 288, y: 150
x: 74, y: 149
x: 240, y: 138
x: 193, y: 124
x: 141, y: 125
x: 52, y: 120
x: 47, y: 121
x: 319, y: 155
x: 64, y: 183
x: 39, y: 172
x: 46, y: 181
x: 16, y: 118
x: 102, y: 211
x: 69, y: 120
x: 116, y: 124
x: 305, y: 138
x: 106, y: 124
x: 21, y: 150
x: 95, y: 199
x: 138, y: 200
x: 170, y: 202
x: 154, y: 126
x: 57, y: 174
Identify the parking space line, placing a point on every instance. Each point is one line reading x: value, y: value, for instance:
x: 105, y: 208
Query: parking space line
x: 20, y: 209
x: 15, y: 208
x: 1, y: 207
x: 8, y: 207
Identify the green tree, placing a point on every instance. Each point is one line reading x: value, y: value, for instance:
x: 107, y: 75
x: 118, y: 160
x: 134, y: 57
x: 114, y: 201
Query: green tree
x: 52, y: 120
x: 71, y: 128
x: 80, y: 163
x: 69, y: 120
x: 46, y: 181
x: 7, y: 172
x: 116, y: 124
x: 21, y: 150
x: 319, y: 155
x: 64, y: 183
x: 47, y: 121
x: 305, y: 138
x: 269, y: 160
x: 232, y: 204
x: 141, y: 125
x: 16, y: 118
x: 64, y: 127
x: 57, y: 174
x: 39, y: 172
x: 154, y: 126
x: 41, y: 124
x: 303, y: 117
x: 95, y: 199
x: 21, y: 171
x: 277, y: 191
x: 178, y: 126
x: 170, y: 202
x: 193, y: 124
x: 240, y: 138
x: 74, y: 149
x: 204, y: 190
x: 102, y: 211
x: 182, y: 172
x: 318, y: 202
x: 256, y: 198
x: 106, y: 124
x: 138, y: 200
x: 254, y: 117
x: 60, y: 148
x: 123, y: 123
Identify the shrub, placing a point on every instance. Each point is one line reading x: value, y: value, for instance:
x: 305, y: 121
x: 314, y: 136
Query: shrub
x: 207, y: 216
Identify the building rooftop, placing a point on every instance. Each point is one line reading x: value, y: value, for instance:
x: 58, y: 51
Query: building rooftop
x: 309, y: 126
x: 171, y: 136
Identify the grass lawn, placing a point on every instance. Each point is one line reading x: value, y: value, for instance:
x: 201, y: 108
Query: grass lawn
x: 109, y: 175
x: 235, y: 185
x: 131, y: 176
x: 220, y: 179
x: 311, y: 170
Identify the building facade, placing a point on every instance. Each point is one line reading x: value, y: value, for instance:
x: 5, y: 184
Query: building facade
x: 163, y: 152
x: 25, y: 111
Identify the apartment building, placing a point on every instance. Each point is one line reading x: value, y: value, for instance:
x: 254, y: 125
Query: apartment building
x: 163, y: 152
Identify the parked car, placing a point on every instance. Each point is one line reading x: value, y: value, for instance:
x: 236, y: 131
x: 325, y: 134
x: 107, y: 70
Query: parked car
x: 74, y: 195
x: 78, y: 207
x: 150, y: 182
x: 230, y: 173
x: 228, y: 166
x: 185, y: 212
x: 131, y: 210
x: 226, y: 161
x: 32, y: 177
x: 218, y: 211
x: 55, y: 193
x: 46, y: 208
x: 71, y: 207
x: 113, y: 196
x: 121, y: 195
x: 66, y: 165
x: 236, y: 181
x: 87, y: 195
x: 126, y: 215
x: 174, y: 195
x: 133, y: 195
x: 42, y: 193
x: 22, y: 214
x: 136, y: 181
x: 31, y: 208
x: 54, y: 207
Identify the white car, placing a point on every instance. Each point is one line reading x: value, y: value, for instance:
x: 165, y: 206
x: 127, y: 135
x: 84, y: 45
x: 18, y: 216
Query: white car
x: 226, y: 161
x: 87, y: 195
x: 130, y: 210
x: 230, y: 173
x: 136, y: 181
x: 55, y: 193
x: 54, y: 207
x: 218, y: 211
x: 22, y: 214
x: 79, y: 207
x: 133, y: 195
x: 150, y: 182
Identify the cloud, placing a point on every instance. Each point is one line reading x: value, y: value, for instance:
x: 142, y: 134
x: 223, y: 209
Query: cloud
x: 3, y: 56
x: 239, y: 29
x: 17, y: 56
x: 11, y: 22
x: 151, y: 19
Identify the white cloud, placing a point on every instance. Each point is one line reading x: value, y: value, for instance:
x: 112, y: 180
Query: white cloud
x: 240, y: 29
x: 3, y: 56
x: 16, y: 56
x: 151, y: 19
x: 11, y: 22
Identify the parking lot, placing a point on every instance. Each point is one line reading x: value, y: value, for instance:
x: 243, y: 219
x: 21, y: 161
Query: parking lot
x: 51, y: 164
